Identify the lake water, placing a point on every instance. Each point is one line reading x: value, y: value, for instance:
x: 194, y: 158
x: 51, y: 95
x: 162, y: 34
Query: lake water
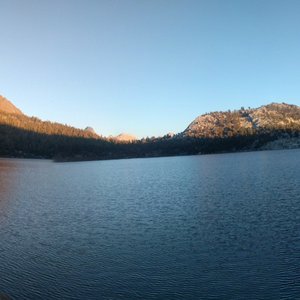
x: 196, y: 227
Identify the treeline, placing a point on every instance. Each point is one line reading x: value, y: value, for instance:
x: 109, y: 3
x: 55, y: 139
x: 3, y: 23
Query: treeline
x: 22, y: 136
x: 16, y: 142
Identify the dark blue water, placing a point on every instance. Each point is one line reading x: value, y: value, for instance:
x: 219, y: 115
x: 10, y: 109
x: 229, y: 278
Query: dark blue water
x: 199, y: 227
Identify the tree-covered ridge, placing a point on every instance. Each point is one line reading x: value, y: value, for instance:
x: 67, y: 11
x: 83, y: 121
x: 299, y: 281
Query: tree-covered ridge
x: 34, y: 124
x: 265, y: 119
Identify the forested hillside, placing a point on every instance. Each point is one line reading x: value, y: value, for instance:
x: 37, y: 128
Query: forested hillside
x: 44, y: 127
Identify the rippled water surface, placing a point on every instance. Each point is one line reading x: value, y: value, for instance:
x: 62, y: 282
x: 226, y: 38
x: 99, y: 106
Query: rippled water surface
x: 198, y: 227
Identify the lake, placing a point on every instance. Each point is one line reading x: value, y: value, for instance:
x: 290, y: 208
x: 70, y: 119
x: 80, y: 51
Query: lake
x: 195, y: 227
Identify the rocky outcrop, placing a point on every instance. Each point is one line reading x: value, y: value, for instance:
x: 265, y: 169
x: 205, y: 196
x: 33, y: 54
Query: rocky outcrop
x: 90, y: 129
x: 282, y: 143
x: 271, y: 117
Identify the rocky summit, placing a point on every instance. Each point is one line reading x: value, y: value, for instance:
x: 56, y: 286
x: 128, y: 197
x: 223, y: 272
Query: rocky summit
x: 265, y: 119
x: 90, y: 129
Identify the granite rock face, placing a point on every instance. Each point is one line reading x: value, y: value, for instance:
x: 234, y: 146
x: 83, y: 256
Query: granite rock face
x: 267, y: 118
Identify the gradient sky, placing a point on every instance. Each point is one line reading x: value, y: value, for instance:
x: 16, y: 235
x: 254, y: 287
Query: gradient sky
x: 147, y: 67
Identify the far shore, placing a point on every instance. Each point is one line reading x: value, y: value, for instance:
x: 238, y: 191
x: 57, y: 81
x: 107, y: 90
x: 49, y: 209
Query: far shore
x: 83, y: 159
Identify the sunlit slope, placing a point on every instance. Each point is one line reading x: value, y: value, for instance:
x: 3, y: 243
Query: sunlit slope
x: 7, y: 107
x: 265, y: 119
x: 12, y: 116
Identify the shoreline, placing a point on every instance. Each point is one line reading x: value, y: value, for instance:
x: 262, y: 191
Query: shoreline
x: 87, y: 159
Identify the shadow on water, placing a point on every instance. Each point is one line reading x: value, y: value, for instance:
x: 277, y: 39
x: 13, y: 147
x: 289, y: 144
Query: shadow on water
x: 8, y: 168
x: 7, y: 181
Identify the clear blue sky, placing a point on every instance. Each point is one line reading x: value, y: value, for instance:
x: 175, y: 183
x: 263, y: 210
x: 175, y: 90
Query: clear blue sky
x: 147, y: 67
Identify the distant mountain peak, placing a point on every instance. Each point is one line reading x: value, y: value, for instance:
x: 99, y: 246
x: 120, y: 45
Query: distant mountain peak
x: 7, y: 107
x: 125, y: 137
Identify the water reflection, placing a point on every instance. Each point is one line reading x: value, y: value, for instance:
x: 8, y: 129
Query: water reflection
x: 7, y: 181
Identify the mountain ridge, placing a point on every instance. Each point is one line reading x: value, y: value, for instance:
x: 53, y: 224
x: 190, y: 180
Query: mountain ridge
x: 217, y: 124
x: 273, y: 116
x: 271, y: 126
